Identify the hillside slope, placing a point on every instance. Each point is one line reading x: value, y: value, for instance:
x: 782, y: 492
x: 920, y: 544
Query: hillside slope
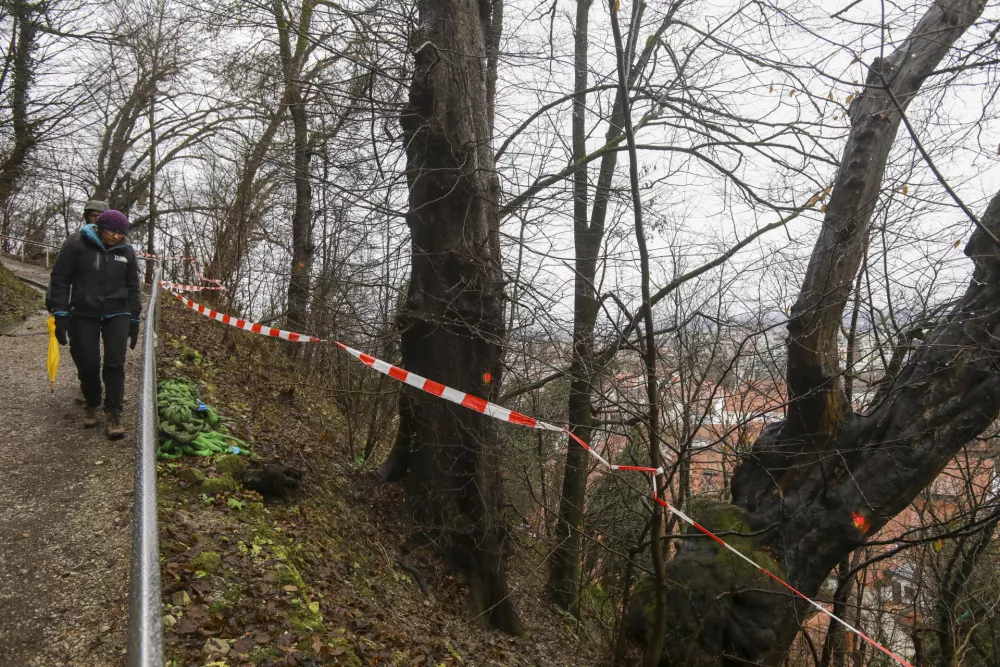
x: 17, y: 300
x: 323, y: 577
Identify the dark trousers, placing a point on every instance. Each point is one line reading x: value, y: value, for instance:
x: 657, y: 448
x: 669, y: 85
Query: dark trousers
x: 85, y: 347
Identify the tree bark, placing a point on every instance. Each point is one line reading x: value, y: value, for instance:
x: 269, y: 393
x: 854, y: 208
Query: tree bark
x: 302, y: 246
x: 452, y: 324
x: 565, y: 564
x: 835, y: 646
x: 799, y: 504
x: 655, y: 642
x: 232, y: 240
x: 151, y: 222
x: 22, y: 70
x: 564, y: 572
x: 117, y: 140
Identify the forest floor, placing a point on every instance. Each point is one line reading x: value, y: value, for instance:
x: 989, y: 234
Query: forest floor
x: 313, y: 579
x: 65, y: 508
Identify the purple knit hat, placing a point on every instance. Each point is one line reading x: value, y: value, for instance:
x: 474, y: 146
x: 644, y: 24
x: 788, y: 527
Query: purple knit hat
x: 113, y: 220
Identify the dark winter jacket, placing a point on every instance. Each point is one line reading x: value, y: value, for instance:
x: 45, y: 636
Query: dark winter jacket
x: 89, y: 280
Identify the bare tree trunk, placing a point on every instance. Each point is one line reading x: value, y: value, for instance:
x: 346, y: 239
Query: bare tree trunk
x: 452, y: 323
x: 835, y: 646
x: 151, y: 222
x: 565, y: 561
x: 798, y: 497
x: 118, y: 138
x: 565, y: 568
x: 22, y: 68
x: 302, y: 245
x: 232, y: 240
x: 655, y: 641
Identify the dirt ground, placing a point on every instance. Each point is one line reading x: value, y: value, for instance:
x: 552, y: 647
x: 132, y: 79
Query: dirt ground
x: 65, y: 513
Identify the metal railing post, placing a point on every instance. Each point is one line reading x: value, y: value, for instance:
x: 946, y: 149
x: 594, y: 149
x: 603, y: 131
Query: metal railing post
x: 145, y: 614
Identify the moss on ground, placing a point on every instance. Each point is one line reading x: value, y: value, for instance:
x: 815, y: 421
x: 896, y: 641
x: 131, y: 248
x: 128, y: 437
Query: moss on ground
x: 17, y: 300
x: 213, y: 485
x: 233, y: 465
x: 207, y: 561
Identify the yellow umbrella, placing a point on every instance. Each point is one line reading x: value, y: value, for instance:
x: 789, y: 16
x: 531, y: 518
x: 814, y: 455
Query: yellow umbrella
x: 53, y: 360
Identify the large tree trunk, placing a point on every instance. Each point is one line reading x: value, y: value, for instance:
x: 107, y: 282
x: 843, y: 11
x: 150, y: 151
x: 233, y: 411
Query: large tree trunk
x: 798, y: 501
x: 22, y: 70
x: 452, y: 323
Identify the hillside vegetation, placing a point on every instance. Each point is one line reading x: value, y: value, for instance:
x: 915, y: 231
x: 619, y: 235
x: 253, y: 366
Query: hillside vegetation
x: 17, y: 300
x: 322, y: 576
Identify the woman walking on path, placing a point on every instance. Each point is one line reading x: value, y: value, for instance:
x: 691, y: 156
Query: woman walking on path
x: 94, y: 294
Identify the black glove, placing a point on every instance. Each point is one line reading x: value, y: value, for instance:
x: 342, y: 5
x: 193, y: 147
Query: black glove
x: 62, y: 327
x: 133, y: 333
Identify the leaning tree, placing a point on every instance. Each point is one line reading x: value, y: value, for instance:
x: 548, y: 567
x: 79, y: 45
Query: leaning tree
x: 816, y: 483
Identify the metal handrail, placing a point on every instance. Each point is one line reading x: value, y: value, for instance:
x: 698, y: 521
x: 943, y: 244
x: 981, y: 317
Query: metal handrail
x: 29, y: 241
x: 25, y: 243
x: 145, y: 613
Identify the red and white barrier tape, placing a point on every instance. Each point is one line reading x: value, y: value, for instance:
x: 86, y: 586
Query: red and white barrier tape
x: 473, y: 402
x: 504, y: 414
x: 160, y: 258
x: 194, y: 265
x: 177, y: 287
x: 430, y: 386
x: 247, y: 326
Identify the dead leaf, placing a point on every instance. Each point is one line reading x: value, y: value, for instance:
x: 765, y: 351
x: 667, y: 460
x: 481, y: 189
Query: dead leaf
x: 242, y: 645
x: 187, y: 626
x: 618, y: 5
x: 771, y: 90
x: 906, y: 190
x: 958, y: 242
x: 938, y: 545
x: 822, y: 209
x: 849, y: 98
x: 791, y: 92
x: 831, y: 96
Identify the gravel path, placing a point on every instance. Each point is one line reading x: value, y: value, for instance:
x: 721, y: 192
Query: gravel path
x: 65, y: 514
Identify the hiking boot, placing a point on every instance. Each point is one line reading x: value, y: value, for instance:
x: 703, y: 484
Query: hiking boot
x: 90, y: 418
x: 113, y: 426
